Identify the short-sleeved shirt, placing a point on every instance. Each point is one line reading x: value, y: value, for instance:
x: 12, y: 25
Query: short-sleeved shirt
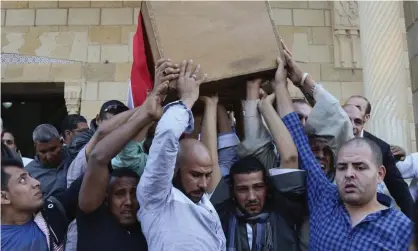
x: 100, y: 230
x: 26, y: 237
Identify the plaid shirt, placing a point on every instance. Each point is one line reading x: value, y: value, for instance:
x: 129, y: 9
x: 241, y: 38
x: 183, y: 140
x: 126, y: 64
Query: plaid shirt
x: 330, y: 225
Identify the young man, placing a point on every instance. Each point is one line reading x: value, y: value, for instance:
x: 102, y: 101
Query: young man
x: 349, y: 215
x: 393, y: 179
x: 29, y: 222
x: 175, y: 212
x: 107, y: 202
x: 72, y: 125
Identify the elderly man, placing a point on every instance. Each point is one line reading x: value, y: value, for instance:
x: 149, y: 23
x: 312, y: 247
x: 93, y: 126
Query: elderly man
x: 348, y: 215
x: 175, y: 212
x: 51, y: 162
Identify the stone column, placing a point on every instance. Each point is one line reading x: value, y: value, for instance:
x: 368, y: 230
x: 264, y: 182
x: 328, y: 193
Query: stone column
x: 384, y: 70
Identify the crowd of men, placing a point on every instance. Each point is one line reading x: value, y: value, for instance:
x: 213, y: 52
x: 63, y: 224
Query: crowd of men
x: 305, y: 176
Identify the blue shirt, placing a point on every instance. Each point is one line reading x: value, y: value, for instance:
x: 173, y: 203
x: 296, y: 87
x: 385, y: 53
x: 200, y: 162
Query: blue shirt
x: 330, y: 225
x: 27, y: 237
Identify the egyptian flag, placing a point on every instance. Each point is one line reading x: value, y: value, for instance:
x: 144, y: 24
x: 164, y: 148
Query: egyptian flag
x: 140, y: 80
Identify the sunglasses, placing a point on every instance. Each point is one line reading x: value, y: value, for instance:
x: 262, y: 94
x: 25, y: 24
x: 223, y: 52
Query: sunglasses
x: 115, y: 108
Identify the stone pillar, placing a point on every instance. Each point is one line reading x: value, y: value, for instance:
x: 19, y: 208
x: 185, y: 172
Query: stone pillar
x: 384, y: 70
x: 72, y: 96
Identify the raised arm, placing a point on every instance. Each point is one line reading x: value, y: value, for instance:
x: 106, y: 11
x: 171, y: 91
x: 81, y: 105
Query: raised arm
x: 209, y: 138
x: 317, y: 183
x: 227, y: 141
x: 94, y: 187
x: 257, y: 141
x: 281, y: 136
x: 156, y: 182
x: 327, y: 118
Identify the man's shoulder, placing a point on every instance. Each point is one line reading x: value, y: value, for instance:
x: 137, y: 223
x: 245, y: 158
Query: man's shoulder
x: 399, y: 219
x: 381, y: 143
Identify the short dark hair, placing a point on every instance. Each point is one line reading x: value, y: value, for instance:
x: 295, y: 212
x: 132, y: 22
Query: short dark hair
x: 368, y: 107
x: 113, y: 107
x: 375, y: 149
x: 124, y: 172
x: 6, y: 131
x: 246, y: 165
x: 7, y: 162
x: 71, y: 121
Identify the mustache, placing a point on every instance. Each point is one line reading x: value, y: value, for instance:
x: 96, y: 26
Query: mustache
x: 201, y: 190
x: 252, y: 203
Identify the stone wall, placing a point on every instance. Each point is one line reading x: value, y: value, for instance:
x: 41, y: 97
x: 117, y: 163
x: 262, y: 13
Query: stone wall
x: 95, y: 37
x: 411, y: 24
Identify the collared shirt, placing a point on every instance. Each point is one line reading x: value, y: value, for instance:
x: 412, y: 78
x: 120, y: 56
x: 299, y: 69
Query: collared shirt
x: 169, y: 219
x: 409, y: 170
x: 53, y: 180
x: 330, y: 225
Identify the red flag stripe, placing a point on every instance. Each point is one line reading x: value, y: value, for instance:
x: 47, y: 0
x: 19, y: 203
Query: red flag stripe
x: 140, y: 77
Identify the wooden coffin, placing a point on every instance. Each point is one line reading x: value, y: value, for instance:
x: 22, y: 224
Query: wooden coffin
x: 232, y: 41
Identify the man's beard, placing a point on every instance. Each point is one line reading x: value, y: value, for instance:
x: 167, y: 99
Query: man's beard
x: 178, y: 184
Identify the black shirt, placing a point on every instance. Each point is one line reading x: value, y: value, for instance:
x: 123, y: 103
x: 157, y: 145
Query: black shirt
x: 100, y: 230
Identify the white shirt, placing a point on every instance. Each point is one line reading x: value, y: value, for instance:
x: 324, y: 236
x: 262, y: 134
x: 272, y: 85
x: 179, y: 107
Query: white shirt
x: 170, y: 221
x: 409, y: 170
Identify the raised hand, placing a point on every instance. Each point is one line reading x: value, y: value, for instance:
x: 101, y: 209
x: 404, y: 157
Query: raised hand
x: 266, y: 100
x: 213, y: 100
x: 294, y: 72
x: 165, y: 70
x: 281, y: 73
x: 153, y: 102
x: 398, y: 151
x: 189, y: 82
x: 253, y: 89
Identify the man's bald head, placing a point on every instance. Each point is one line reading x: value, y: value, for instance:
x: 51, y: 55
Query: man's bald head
x: 192, y: 151
x: 194, y: 168
x: 356, y: 118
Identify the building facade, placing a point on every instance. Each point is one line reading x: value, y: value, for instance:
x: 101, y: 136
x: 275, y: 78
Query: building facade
x: 87, y: 45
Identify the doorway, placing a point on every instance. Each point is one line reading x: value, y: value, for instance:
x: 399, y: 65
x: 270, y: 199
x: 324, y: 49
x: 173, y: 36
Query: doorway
x: 27, y: 105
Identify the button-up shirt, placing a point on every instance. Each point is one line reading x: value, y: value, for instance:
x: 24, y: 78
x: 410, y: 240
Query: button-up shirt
x: 169, y: 219
x: 330, y: 225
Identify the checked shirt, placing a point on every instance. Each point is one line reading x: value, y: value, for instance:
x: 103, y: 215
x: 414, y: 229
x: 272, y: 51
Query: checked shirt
x: 330, y: 225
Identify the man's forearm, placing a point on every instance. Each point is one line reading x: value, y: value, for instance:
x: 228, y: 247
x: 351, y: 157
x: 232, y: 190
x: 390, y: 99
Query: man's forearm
x: 307, y: 89
x: 111, y: 145
x: 283, y: 101
x: 281, y: 136
x: 209, y: 139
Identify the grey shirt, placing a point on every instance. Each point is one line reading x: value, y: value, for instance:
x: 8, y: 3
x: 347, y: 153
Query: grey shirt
x: 52, y: 180
x: 170, y: 220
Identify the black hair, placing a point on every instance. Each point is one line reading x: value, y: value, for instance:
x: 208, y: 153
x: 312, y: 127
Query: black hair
x: 124, y: 172
x: 375, y: 149
x: 368, y: 107
x: 71, y: 121
x: 113, y: 107
x: 8, y: 162
x: 246, y: 165
x: 5, y: 131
